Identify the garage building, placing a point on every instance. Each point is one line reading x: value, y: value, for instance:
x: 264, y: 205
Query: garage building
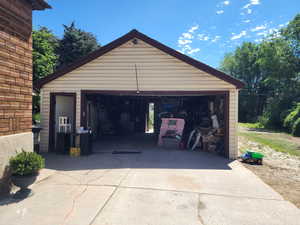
x: 124, y: 89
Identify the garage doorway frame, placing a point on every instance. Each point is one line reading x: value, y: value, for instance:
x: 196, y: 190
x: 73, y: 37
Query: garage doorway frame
x: 53, y: 95
x: 84, y: 93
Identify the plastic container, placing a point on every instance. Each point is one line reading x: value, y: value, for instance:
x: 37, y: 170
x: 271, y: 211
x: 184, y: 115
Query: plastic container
x: 256, y: 155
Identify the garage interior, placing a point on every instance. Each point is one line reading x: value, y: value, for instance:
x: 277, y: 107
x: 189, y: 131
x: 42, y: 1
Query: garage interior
x: 130, y: 122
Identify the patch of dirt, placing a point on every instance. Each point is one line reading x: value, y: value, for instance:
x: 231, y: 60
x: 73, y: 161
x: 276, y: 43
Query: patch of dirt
x: 281, y: 180
x: 280, y: 170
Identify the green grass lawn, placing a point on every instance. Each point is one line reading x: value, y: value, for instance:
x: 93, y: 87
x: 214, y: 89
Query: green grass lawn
x: 251, y: 125
x: 273, y: 141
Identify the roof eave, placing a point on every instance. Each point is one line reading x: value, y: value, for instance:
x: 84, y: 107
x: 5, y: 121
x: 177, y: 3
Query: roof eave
x: 39, y: 4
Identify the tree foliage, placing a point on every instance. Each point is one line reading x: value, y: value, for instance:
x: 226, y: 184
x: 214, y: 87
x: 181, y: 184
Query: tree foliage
x: 271, y: 72
x: 75, y: 44
x: 292, y: 34
x: 291, y: 118
x: 296, y: 128
x: 50, y: 52
x: 45, y: 59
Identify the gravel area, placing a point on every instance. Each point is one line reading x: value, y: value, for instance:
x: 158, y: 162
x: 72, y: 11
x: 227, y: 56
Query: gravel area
x: 282, y: 160
x: 280, y: 170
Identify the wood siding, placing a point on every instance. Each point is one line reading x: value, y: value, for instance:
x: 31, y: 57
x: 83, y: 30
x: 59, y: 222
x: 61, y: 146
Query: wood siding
x: 117, y: 70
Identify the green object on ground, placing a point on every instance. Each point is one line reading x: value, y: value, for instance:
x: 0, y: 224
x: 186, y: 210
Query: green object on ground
x: 256, y: 155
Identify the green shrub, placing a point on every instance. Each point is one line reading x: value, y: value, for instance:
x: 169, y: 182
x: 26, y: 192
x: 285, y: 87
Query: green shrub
x: 264, y: 121
x: 291, y: 118
x: 26, y: 163
x: 275, y: 113
x: 296, y: 128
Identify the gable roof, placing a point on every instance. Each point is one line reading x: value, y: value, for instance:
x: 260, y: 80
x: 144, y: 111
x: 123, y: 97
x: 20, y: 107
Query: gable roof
x: 127, y: 37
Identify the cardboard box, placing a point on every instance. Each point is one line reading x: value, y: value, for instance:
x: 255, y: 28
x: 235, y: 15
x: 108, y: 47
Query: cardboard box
x: 75, y: 152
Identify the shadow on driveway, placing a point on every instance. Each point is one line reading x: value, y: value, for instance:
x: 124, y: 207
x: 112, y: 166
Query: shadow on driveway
x: 147, y: 159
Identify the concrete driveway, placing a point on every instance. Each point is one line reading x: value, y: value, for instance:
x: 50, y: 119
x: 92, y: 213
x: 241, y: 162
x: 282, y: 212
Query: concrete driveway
x: 155, y: 187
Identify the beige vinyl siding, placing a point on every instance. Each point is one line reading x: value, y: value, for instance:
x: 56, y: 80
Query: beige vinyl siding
x: 156, y: 71
x: 45, y: 111
x: 233, y: 121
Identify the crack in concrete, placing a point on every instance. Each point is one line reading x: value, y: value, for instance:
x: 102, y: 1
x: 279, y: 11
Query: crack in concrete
x: 66, y: 217
x: 44, y: 179
x: 109, y: 198
x: 86, y: 184
x: 181, y: 191
x: 73, y: 204
x: 199, y: 207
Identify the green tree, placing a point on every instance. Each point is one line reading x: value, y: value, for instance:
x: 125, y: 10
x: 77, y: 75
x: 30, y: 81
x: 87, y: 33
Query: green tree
x: 44, y: 58
x: 279, y: 59
x: 292, y: 34
x: 271, y: 72
x: 44, y: 45
x: 242, y: 64
x: 75, y: 44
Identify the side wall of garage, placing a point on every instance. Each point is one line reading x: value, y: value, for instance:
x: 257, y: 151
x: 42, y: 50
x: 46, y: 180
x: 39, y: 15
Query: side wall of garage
x: 133, y: 66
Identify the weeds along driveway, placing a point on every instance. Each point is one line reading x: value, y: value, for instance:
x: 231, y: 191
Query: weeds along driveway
x: 155, y: 187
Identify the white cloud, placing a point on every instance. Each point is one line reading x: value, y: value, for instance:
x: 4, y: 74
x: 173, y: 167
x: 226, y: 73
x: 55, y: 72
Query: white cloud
x: 193, y: 29
x: 221, y: 6
x: 203, y: 37
x: 192, y: 51
x: 262, y: 27
x: 187, y: 47
x: 274, y: 32
x: 216, y: 38
x: 255, y: 2
x: 247, y: 7
x: 283, y: 24
x: 247, y: 21
x: 264, y: 33
x: 252, y: 2
x: 238, y: 36
x: 185, y: 41
x: 187, y: 35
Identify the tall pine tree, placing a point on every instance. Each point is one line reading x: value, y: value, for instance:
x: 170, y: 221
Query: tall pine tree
x: 75, y: 44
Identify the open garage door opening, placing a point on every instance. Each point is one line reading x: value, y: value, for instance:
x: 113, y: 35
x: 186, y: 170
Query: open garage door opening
x: 131, y: 121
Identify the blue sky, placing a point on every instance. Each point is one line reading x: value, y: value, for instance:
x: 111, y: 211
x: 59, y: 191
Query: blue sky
x: 203, y: 29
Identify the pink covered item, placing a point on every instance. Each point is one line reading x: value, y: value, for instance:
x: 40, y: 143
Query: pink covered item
x: 170, y: 124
